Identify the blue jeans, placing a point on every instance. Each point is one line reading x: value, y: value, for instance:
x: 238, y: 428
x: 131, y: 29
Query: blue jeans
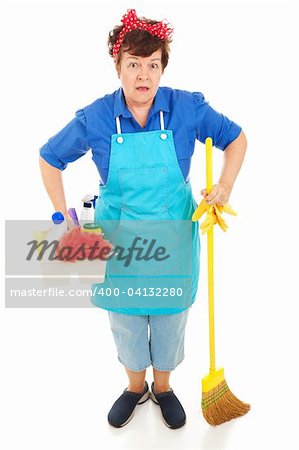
x: 142, y: 341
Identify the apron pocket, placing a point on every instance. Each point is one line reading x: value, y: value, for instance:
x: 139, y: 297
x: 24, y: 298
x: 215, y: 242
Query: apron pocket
x: 144, y: 193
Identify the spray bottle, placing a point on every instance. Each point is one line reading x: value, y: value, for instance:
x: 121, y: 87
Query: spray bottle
x: 87, y: 211
x: 59, y: 227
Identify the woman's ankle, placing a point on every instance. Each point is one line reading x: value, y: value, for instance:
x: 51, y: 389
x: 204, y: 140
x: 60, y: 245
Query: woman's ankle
x: 137, y: 389
x: 161, y: 388
x: 136, y: 380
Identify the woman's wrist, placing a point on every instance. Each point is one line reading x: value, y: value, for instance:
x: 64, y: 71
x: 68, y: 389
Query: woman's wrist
x: 63, y: 210
x: 228, y: 184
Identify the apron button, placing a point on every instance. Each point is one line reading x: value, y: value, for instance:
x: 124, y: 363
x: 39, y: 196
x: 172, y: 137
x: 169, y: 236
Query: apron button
x: 163, y: 136
x: 120, y: 139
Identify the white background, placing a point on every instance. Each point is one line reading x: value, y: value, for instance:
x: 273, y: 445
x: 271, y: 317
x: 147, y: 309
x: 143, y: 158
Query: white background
x: 61, y: 371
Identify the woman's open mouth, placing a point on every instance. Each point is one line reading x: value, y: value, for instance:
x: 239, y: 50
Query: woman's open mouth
x: 142, y: 89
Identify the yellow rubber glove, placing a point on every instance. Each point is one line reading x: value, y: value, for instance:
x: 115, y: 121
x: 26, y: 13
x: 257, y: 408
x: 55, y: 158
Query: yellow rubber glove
x: 214, y: 215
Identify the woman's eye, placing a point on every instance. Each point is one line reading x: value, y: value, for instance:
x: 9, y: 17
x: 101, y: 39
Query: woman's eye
x: 134, y: 65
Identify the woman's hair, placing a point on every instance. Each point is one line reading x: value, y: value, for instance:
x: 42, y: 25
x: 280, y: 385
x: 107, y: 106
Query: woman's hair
x: 139, y: 43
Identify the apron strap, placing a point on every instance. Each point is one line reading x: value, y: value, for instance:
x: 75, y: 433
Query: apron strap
x: 162, y: 120
x: 118, y: 128
x: 118, y: 125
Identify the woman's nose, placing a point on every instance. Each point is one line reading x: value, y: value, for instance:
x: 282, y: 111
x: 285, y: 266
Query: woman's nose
x: 142, y: 73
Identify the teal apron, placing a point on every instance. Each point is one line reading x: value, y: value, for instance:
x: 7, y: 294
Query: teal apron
x: 146, y: 200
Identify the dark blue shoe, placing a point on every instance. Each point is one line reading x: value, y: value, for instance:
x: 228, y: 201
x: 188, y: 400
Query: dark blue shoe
x: 122, y: 410
x: 172, y: 411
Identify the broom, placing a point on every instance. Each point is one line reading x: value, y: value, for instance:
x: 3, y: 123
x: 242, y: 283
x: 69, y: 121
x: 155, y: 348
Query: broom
x: 218, y: 403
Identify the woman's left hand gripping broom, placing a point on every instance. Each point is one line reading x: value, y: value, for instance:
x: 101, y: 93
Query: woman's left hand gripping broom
x: 219, y: 404
x: 214, y: 215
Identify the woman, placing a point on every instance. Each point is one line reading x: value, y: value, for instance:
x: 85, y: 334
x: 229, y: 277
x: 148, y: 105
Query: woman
x: 142, y: 137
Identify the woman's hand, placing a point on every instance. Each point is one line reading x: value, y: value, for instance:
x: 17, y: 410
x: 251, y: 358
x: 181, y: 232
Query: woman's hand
x: 69, y: 221
x: 219, y: 194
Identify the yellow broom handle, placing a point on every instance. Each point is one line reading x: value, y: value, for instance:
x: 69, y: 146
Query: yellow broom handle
x: 209, y: 176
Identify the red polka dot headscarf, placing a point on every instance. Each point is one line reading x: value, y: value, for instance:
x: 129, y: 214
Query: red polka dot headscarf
x: 131, y: 22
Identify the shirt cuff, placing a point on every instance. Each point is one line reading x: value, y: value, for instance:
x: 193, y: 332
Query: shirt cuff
x: 49, y: 156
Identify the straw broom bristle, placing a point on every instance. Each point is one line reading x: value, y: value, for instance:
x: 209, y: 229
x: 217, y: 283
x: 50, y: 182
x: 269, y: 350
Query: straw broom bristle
x: 220, y: 405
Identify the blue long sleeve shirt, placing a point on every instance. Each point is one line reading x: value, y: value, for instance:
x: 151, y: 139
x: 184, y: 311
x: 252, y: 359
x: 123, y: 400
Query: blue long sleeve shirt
x: 187, y: 114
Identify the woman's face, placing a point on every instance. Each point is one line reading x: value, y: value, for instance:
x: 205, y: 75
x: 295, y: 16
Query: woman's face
x: 140, y: 77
